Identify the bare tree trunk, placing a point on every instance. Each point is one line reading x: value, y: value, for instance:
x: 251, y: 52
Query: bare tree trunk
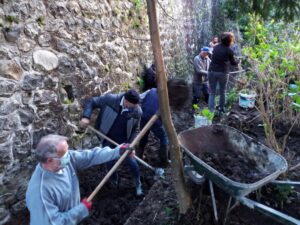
x: 176, y: 157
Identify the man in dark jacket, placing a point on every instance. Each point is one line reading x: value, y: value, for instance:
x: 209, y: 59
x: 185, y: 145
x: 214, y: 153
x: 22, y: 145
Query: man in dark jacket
x: 118, y: 119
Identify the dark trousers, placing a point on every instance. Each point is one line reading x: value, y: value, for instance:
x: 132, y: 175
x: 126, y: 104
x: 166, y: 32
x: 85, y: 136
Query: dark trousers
x: 200, y: 91
x: 215, y: 78
x: 160, y: 133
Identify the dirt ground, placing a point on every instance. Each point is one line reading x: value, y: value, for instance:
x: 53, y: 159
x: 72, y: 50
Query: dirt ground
x: 119, y: 205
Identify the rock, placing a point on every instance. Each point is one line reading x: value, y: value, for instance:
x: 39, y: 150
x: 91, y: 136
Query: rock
x: 32, y: 29
x: 26, y: 62
x: 5, y: 136
x: 46, y: 59
x: 38, y: 134
x: 25, y: 44
x: 27, y: 115
x: 11, y: 34
x: 8, y: 51
x: 44, y: 97
x: 4, y: 216
x: 66, y: 65
x: 22, y: 144
x: 8, y: 105
x: 9, y: 122
x: 44, y: 39
x: 31, y: 81
x: 10, y: 69
x: 6, y: 154
x: 7, y: 87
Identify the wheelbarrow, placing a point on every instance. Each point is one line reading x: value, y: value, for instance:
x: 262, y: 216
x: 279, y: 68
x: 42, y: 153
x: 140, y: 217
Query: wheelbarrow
x: 266, y: 165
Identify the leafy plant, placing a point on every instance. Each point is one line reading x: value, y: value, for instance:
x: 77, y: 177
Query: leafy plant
x: 11, y: 19
x: 40, y: 21
x: 273, y: 53
x: 204, y: 112
x: 232, y: 97
x: 168, y: 210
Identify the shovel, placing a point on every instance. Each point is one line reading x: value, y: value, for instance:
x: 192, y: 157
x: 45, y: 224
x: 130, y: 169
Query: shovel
x: 159, y: 172
x: 122, y: 158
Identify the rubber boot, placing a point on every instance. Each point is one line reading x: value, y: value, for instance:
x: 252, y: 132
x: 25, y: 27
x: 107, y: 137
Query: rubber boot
x: 163, y: 155
x: 138, y: 187
x: 140, y: 151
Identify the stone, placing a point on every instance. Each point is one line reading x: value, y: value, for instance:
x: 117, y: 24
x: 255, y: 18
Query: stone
x: 6, y: 154
x: 4, y: 215
x: 44, y: 97
x: 8, y: 105
x: 46, y: 59
x: 5, y: 136
x: 8, y: 87
x: 11, y: 34
x: 27, y: 115
x: 26, y: 62
x: 25, y: 44
x: 31, y: 81
x: 10, y: 69
x: 66, y: 65
x: 32, y: 29
x: 22, y: 144
x: 8, y: 51
x: 9, y: 122
x: 44, y: 39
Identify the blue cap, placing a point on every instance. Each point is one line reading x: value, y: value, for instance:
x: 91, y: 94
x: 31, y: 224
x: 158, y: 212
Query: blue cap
x: 205, y: 49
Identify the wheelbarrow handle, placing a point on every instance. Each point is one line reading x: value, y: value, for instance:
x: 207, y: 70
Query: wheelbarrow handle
x: 122, y: 158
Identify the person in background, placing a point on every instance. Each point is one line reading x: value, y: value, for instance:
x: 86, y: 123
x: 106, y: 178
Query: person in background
x: 118, y: 119
x: 219, y: 69
x: 213, y: 43
x: 200, y: 81
x: 53, y: 195
x: 150, y: 78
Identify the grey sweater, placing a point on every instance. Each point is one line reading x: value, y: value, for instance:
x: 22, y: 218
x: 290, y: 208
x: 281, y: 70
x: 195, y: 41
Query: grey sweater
x: 54, y: 198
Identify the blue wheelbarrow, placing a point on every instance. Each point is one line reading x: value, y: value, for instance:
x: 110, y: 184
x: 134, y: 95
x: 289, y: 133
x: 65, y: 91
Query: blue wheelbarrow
x: 196, y: 143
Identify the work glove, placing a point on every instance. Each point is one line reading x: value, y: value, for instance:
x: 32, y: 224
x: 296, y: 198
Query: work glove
x: 125, y: 147
x: 84, y: 122
x: 87, y: 204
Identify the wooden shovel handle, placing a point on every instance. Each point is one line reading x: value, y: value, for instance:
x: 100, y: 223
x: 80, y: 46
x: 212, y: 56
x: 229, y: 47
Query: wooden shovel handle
x: 122, y: 158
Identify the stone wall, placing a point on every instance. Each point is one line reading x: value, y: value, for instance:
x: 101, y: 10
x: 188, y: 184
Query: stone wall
x: 55, y: 54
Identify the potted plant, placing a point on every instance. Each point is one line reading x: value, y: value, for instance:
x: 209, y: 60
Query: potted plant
x: 202, y: 117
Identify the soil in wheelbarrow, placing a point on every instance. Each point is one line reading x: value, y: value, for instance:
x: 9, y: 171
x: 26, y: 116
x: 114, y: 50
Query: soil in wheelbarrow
x: 212, y: 146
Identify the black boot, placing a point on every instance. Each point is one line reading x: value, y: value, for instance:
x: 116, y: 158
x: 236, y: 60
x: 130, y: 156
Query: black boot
x: 140, y: 151
x: 163, y: 155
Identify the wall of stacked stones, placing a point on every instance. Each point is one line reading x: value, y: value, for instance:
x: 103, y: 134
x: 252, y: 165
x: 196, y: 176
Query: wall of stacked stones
x: 55, y: 54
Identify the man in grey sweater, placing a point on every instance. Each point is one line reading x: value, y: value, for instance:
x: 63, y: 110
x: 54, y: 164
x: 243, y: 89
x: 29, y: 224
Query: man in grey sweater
x: 53, y: 196
x: 200, y: 81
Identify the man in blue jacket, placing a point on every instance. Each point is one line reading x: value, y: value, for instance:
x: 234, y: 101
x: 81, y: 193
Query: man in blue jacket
x: 150, y: 106
x: 119, y: 118
x: 53, y: 196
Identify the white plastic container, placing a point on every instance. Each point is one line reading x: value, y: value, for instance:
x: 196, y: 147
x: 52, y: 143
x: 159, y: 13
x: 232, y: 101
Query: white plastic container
x: 201, y: 121
x: 247, y: 100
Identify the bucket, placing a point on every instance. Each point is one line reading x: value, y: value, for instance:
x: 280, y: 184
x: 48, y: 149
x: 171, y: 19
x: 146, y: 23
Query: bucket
x: 201, y: 121
x: 247, y: 100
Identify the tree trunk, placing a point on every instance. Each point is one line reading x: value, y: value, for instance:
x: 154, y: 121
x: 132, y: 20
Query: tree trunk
x: 176, y: 157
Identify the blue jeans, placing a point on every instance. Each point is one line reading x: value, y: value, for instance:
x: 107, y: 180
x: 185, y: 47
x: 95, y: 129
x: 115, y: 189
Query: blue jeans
x: 200, y: 90
x: 215, y: 78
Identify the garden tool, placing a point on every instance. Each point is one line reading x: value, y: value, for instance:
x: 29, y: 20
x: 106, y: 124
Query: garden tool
x: 122, y: 158
x: 159, y: 172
